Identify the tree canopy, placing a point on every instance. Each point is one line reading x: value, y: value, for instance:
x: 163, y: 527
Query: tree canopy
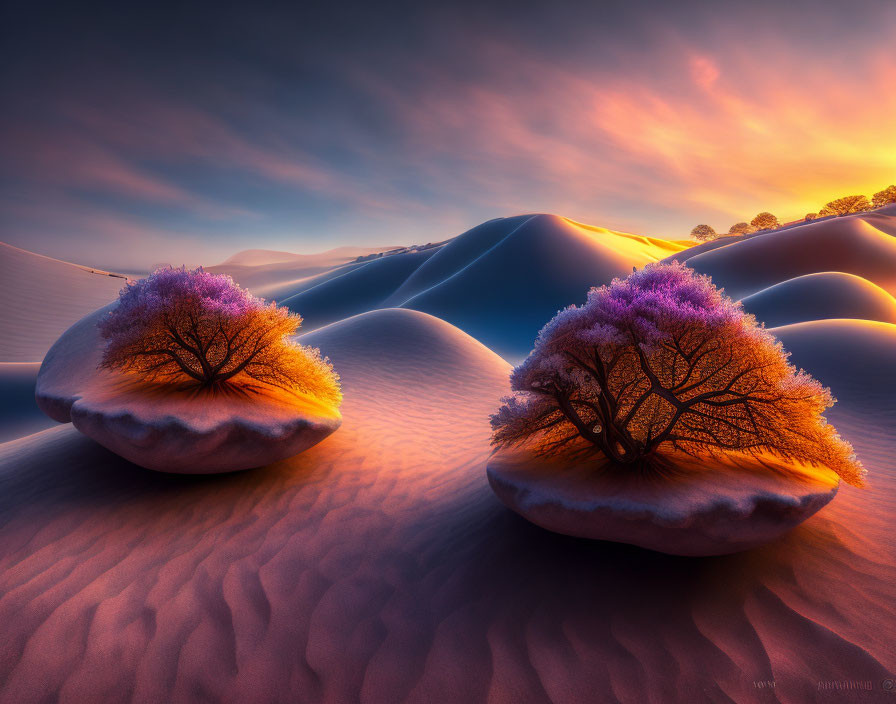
x: 765, y: 221
x: 663, y: 361
x: 846, y: 206
x: 840, y: 206
x: 741, y: 228
x: 703, y: 233
x: 884, y: 197
x: 192, y: 326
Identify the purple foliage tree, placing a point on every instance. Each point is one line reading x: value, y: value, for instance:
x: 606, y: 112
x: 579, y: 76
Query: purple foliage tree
x: 192, y: 325
x: 662, y: 362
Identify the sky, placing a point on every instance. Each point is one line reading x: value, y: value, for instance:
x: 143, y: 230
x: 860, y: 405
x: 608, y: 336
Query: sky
x: 184, y: 132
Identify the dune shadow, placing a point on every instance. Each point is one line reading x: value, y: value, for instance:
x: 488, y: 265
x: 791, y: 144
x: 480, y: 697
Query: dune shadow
x: 504, y: 560
x: 98, y: 478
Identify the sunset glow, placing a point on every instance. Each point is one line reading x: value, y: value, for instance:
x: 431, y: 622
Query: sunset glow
x: 683, y: 118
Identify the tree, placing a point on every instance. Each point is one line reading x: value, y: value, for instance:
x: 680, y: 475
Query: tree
x: 741, y: 228
x: 810, y: 217
x: 179, y: 325
x: 703, y: 233
x: 884, y: 197
x: 765, y: 221
x: 661, y: 362
x: 846, y: 206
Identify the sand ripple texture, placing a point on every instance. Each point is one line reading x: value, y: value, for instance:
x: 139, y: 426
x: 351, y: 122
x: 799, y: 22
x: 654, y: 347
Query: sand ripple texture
x: 379, y: 567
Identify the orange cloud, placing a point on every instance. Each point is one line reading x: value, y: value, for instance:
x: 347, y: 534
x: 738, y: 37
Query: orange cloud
x: 763, y: 141
x: 704, y: 71
x: 705, y: 137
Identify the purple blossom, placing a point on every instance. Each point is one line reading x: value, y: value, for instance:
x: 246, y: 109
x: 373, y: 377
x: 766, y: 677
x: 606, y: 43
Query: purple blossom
x: 665, y: 362
x: 640, y: 310
x: 141, y: 301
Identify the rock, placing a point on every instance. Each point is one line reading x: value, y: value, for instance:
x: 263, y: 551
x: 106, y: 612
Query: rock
x: 714, y: 507
x: 169, y: 428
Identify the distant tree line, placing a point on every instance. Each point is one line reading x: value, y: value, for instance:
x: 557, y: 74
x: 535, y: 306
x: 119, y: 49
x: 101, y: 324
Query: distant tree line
x: 846, y: 205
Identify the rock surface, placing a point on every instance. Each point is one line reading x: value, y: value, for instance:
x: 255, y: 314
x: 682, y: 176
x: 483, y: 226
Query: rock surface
x: 172, y: 429
x: 730, y: 506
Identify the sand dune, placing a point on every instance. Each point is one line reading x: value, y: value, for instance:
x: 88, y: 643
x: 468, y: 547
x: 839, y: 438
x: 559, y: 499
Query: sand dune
x: 457, y: 254
x: 854, y: 357
x: 884, y: 219
x: 258, y: 257
x: 42, y: 297
x: 357, y: 290
x: 859, y: 245
x: 19, y: 414
x: 408, y: 342
x: 331, y: 257
x: 830, y: 294
x: 881, y: 219
x: 499, y: 282
x: 378, y: 566
x: 717, y: 243
x: 259, y: 268
x: 505, y: 295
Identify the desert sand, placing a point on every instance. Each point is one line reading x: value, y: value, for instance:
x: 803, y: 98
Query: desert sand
x: 42, y: 297
x: 19, y: 414
x: 855, y: 244
x: 819, y: 296
x: 260, y: 268
x: 498, y: 282
x: 379, y: 566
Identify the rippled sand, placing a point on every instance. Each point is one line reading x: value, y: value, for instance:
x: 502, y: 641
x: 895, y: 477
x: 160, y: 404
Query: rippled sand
x: 379, y: 567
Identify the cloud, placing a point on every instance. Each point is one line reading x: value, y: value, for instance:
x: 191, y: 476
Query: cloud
x: 697, y: 136
x: 704, y: 71
x: 180, y: 133
x: 643, y: 124
x: 77, y: 161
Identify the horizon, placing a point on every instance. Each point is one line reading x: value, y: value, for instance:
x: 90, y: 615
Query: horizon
x: 187, y: 134
x: 380, y: 248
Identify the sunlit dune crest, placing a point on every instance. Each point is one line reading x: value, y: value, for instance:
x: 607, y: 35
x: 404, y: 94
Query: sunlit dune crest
x: 650, y: 245
x: 821, y: 295
x: 851, y: 356
x: 504, y: 268
x: 850, y: 244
